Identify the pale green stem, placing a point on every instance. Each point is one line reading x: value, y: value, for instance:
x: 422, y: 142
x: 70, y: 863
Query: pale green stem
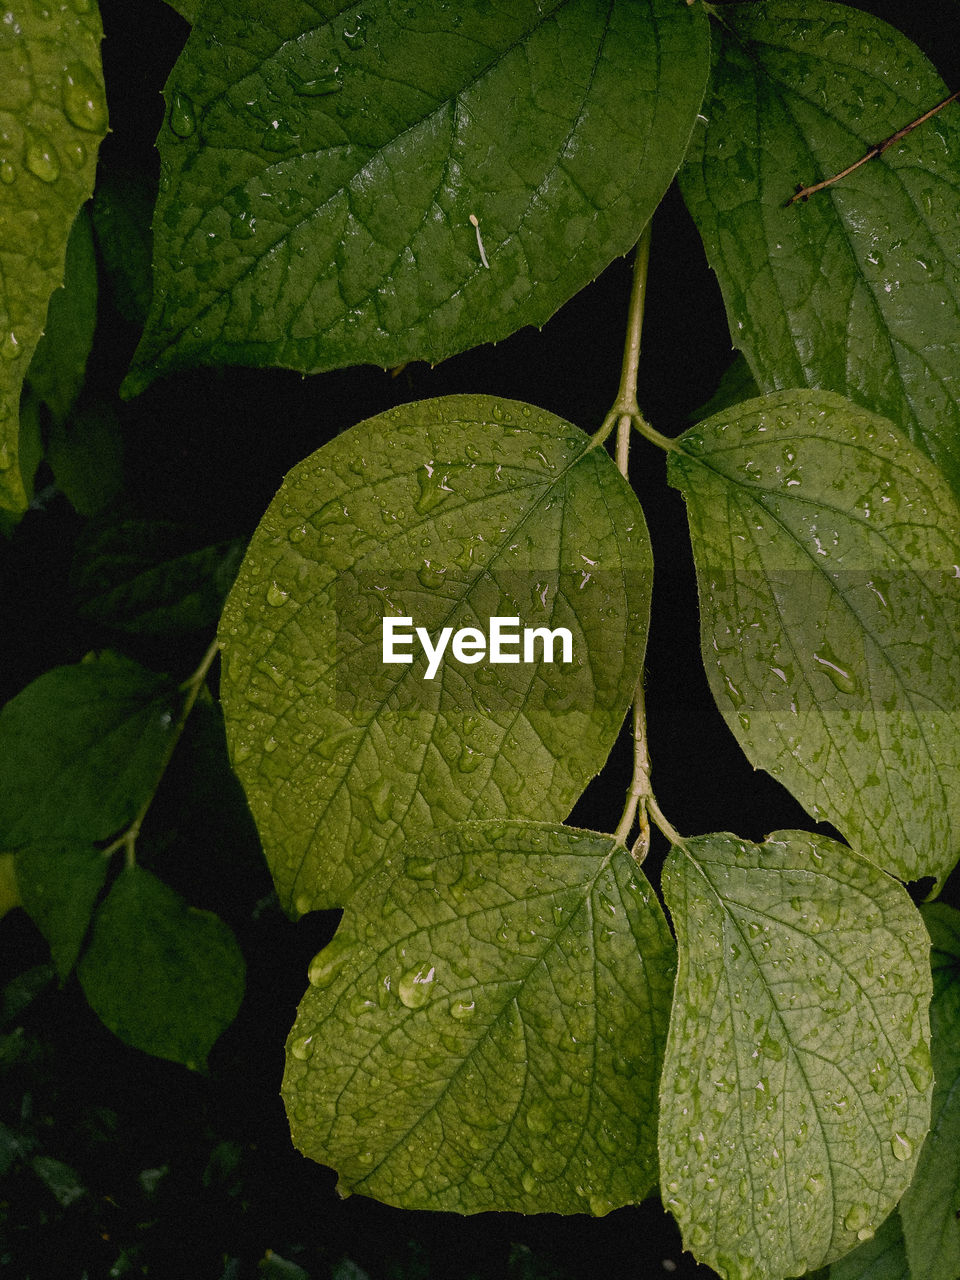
x: 191, y: 688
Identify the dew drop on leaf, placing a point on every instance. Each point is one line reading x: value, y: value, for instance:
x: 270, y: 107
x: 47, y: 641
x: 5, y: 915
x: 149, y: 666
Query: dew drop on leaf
x: 183, y: 117
x: 83, y: 100
x: 415, y: 986
x: 41, y: 158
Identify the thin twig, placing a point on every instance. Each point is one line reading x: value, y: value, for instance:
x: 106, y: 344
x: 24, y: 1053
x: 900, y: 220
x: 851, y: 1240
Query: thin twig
x: 804, y: 193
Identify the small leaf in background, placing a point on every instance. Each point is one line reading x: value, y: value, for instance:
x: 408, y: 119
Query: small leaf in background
x: 320, y: 178
x: 449, y: 512
x: 150, y: 577
x: 121, y: 210
x: 59, y: 362
x: 9, y: 888
x: 80, y: 749
x: 85, y: 455
x: 736, y: 385
x: 163, y: 976
x: 187, y: 9
x: 882, y: 1257
x: 53, y: 116
x: 856, y: 290
x: 59, y: 887
x: 796, y: 1085
x: 827, y: 550
x: 930, y: 1206
x: 485, y: 1030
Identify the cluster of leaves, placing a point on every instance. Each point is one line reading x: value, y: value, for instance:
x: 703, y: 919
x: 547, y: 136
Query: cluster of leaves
x: 504, y: 1018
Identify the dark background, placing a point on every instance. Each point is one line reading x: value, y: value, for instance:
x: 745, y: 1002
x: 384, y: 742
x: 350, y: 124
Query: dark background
x: 122, y: 1164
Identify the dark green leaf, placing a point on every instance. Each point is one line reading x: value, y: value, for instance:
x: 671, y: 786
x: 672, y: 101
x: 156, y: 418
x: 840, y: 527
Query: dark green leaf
x: 321, y: 172
x: 882, y: 1257
x: 59, y: 362
x: 9, y: 887
x: 151, y: 578
x: 485, y: 1030
x: 930, y: 1206
x: 53, y: 115
x: 121, y: 210
x: 187, y: 9
x: 163, y: 976
x: 796, y: 1084
x: 59, y: 885
x: 858, y: 289
x: 80, y: 750
x: 828, y: 563
x: 86, y: 457
x: 448, y: 512
x: 736, y: 385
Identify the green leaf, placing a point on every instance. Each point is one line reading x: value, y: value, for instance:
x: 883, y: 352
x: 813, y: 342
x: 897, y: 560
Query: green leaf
x: 931, y: 1203
x: 858, y: 289
x: 827, y: 552
x: 9, y: 889
x: 86, y: 457
x: 53, y: 116
x: 59, y: 362
x: 448, y: 512
x: 150, y: 577
x: 882, y: 1257
x: 485, y: 1030
x: 59, y: 886
x: 121, y: 210
x: 796, y: 1083
x: 320, y: 173
x: 163, y: 976
x: 736, y: 385
x: 187, y: 9
x: 80, y: 749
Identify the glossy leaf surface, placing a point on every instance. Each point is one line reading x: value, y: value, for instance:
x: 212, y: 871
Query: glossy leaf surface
x: 857, y: 290
x: 163, y: 976
x: 321, y: 172
x: 53, y: 116
x: 485, y: 1030
x: 828, y: 562
x: 796, y: 1084
x: 448, y: 512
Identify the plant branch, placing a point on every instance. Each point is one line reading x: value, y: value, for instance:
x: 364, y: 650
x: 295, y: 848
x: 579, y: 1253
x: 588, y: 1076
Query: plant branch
x: 804, y: 193
x: 191, y: 689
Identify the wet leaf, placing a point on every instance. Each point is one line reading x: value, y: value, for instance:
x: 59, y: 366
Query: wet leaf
x: 121, y: 210
x: 53, y: 116
x: 322, y: 171
x: 858, y: 289
x: 163, y: 976
x: 59, y: 886
x: 882, y: 1257
x: 931, y: 1203
x: 448, y: 512
x: 59, y: 362
x: 485, y: 1030
x: 828, y: 563
x: 796, y: 1083
x: 80, y: 749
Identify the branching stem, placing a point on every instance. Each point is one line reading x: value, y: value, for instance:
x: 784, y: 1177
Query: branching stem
x: 804, y: 193
x: 191, y: 689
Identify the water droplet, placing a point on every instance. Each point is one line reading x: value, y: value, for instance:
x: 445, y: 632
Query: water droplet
x: 839, y: 673
x: 529, y: 1182
x: 319, y: 86
x: 918, y: 1066
x: 243, y: 226
x: 814, y: 1185
x: 83, y: 99
x: 902, y: 1146
x: 279, y: 136
x: 41, y: 158
x: 354, y: 36
x: 462, y: 1009
x: 276, y: 595
x: 326, y: 964
x: 693, y: 443
x: 469, y: 760
x: 302, y: 1047
x: 380, y: 795
x: 857, y: 1218
x: 431, y: 576
x: 433, y: 489
x: 10, y: 348
x: 414, y: 988
x: 771, y: 1048
x: 8, y: 173
x: 183, y: 117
